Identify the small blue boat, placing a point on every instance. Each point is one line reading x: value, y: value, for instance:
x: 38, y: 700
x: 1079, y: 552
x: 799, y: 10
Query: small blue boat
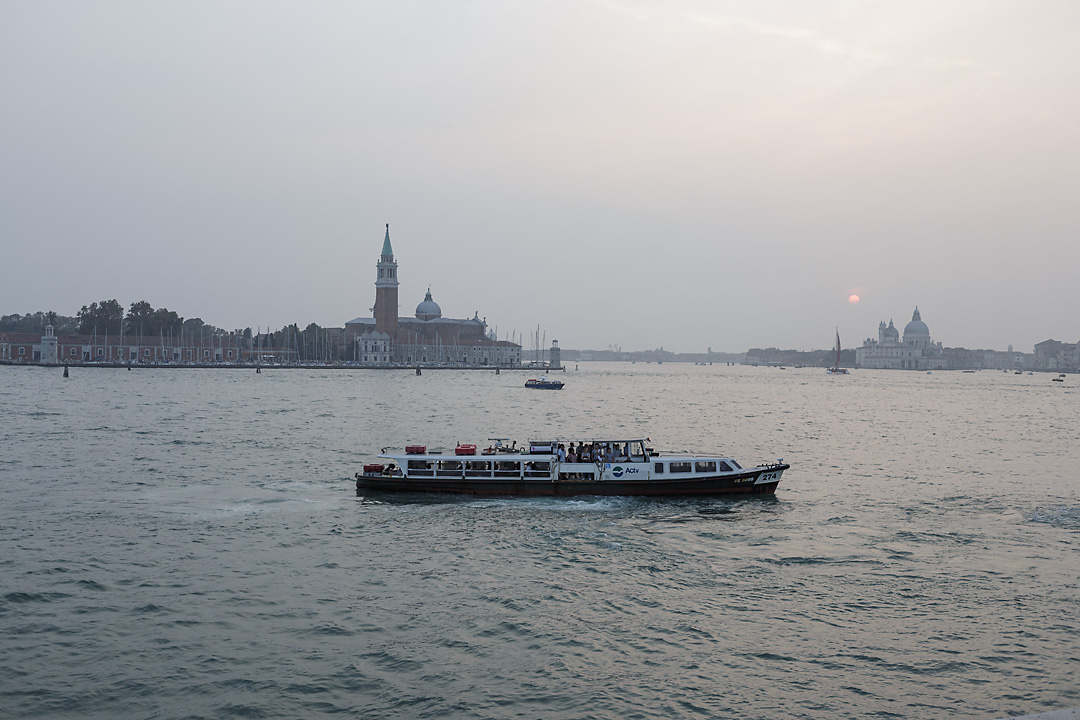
x: 543, y: 383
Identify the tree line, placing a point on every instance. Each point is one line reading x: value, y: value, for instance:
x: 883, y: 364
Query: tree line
x: 107, y: 317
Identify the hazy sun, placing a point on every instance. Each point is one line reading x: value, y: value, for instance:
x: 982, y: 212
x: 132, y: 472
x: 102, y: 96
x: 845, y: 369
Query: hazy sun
x: 854, y: 299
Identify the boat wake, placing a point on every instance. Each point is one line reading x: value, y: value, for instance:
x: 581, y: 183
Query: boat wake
x: 1063, y: 517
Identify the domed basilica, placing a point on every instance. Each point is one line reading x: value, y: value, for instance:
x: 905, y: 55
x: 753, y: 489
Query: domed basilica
x: 427, y: 338
x: 915, y: 352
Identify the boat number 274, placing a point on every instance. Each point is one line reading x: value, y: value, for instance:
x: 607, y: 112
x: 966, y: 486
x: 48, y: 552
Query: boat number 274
x: 767, y: 477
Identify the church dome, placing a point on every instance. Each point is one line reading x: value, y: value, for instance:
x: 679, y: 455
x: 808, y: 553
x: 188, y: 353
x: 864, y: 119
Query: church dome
x: 429, y: 309
x: 916, y: 328
x: 892, y: 332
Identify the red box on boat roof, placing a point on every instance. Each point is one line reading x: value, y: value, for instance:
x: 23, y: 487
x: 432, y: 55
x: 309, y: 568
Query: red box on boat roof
x: 416, y: 449
x: 465, y: 450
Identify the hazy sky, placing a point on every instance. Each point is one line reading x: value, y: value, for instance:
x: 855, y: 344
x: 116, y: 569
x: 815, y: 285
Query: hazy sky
x: 676, y: 174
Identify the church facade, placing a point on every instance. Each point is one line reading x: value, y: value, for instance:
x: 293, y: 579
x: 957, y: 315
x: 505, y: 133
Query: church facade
x: 916, y: 351
x: 425, y: 339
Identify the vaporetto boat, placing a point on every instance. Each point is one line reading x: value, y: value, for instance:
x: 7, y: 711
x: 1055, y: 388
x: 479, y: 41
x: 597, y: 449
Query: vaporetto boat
x: 605, y: 466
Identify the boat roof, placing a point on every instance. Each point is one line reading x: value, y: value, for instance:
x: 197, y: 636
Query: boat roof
x: 499, y: 442
x: 564, y: 440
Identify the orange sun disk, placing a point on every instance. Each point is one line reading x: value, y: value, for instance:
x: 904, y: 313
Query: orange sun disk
x: 854, y: 299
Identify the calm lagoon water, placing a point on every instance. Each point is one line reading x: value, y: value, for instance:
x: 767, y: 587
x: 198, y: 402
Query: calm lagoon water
x: 189, y: 543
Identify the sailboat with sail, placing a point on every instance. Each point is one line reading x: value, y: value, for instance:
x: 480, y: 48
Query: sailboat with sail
x: 836, y: 369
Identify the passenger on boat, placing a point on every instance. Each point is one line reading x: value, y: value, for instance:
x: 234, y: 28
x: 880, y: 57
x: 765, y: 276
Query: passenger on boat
x: 562, y: 453
x: 571, y: 454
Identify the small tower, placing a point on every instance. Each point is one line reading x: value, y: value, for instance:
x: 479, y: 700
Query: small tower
x: 48, y: 346
x: 386, y: 290
x: 555, y: 354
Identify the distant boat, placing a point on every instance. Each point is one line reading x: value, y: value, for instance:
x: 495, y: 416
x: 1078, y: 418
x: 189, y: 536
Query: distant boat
x: 1059, y: 378
x: 836, y: 369
x: 542, y: 383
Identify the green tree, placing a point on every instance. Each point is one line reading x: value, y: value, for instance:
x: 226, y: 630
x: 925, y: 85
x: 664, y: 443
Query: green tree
x: 106, y: 317
x: 138, y: 318
x: 167, y: 322
x: 287, y: 337
x: 196, y: 326
x: 311, y: 344
x: 143, y: 319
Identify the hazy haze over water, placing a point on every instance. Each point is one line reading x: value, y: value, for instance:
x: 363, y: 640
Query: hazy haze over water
x: 185, y: 543
x: 678, y: 174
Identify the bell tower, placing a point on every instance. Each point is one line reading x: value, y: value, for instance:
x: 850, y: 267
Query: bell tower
x: 386, y: 287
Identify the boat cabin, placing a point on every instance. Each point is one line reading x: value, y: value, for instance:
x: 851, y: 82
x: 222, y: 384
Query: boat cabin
x: 561, y: 460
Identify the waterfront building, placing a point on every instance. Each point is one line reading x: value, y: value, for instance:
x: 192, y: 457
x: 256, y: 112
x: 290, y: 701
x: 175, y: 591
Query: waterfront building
x: 1057, y: 355
x: 426, y: 338
x: 958, y: 358
x: 52, y: 349
x: 915, y: 351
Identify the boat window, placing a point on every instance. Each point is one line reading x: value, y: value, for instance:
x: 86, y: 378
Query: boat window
x: 724, y: 467
x: 537, y: 469
x: 419, y: 465
x: 478, y: 468
x: 679, y: 467
x: 704, y: 466
x: 658, y: 468
x: 449, y: 465
x: 507, y: 469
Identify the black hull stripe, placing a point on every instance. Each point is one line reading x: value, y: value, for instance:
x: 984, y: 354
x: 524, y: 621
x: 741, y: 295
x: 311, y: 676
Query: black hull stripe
x: 731, y: 485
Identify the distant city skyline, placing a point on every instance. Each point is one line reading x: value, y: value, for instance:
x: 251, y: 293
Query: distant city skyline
x: 650, y: 174
x: 527, y: 340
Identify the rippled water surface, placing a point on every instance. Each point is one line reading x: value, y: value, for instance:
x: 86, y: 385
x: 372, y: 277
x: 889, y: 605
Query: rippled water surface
x: 188, y: 543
